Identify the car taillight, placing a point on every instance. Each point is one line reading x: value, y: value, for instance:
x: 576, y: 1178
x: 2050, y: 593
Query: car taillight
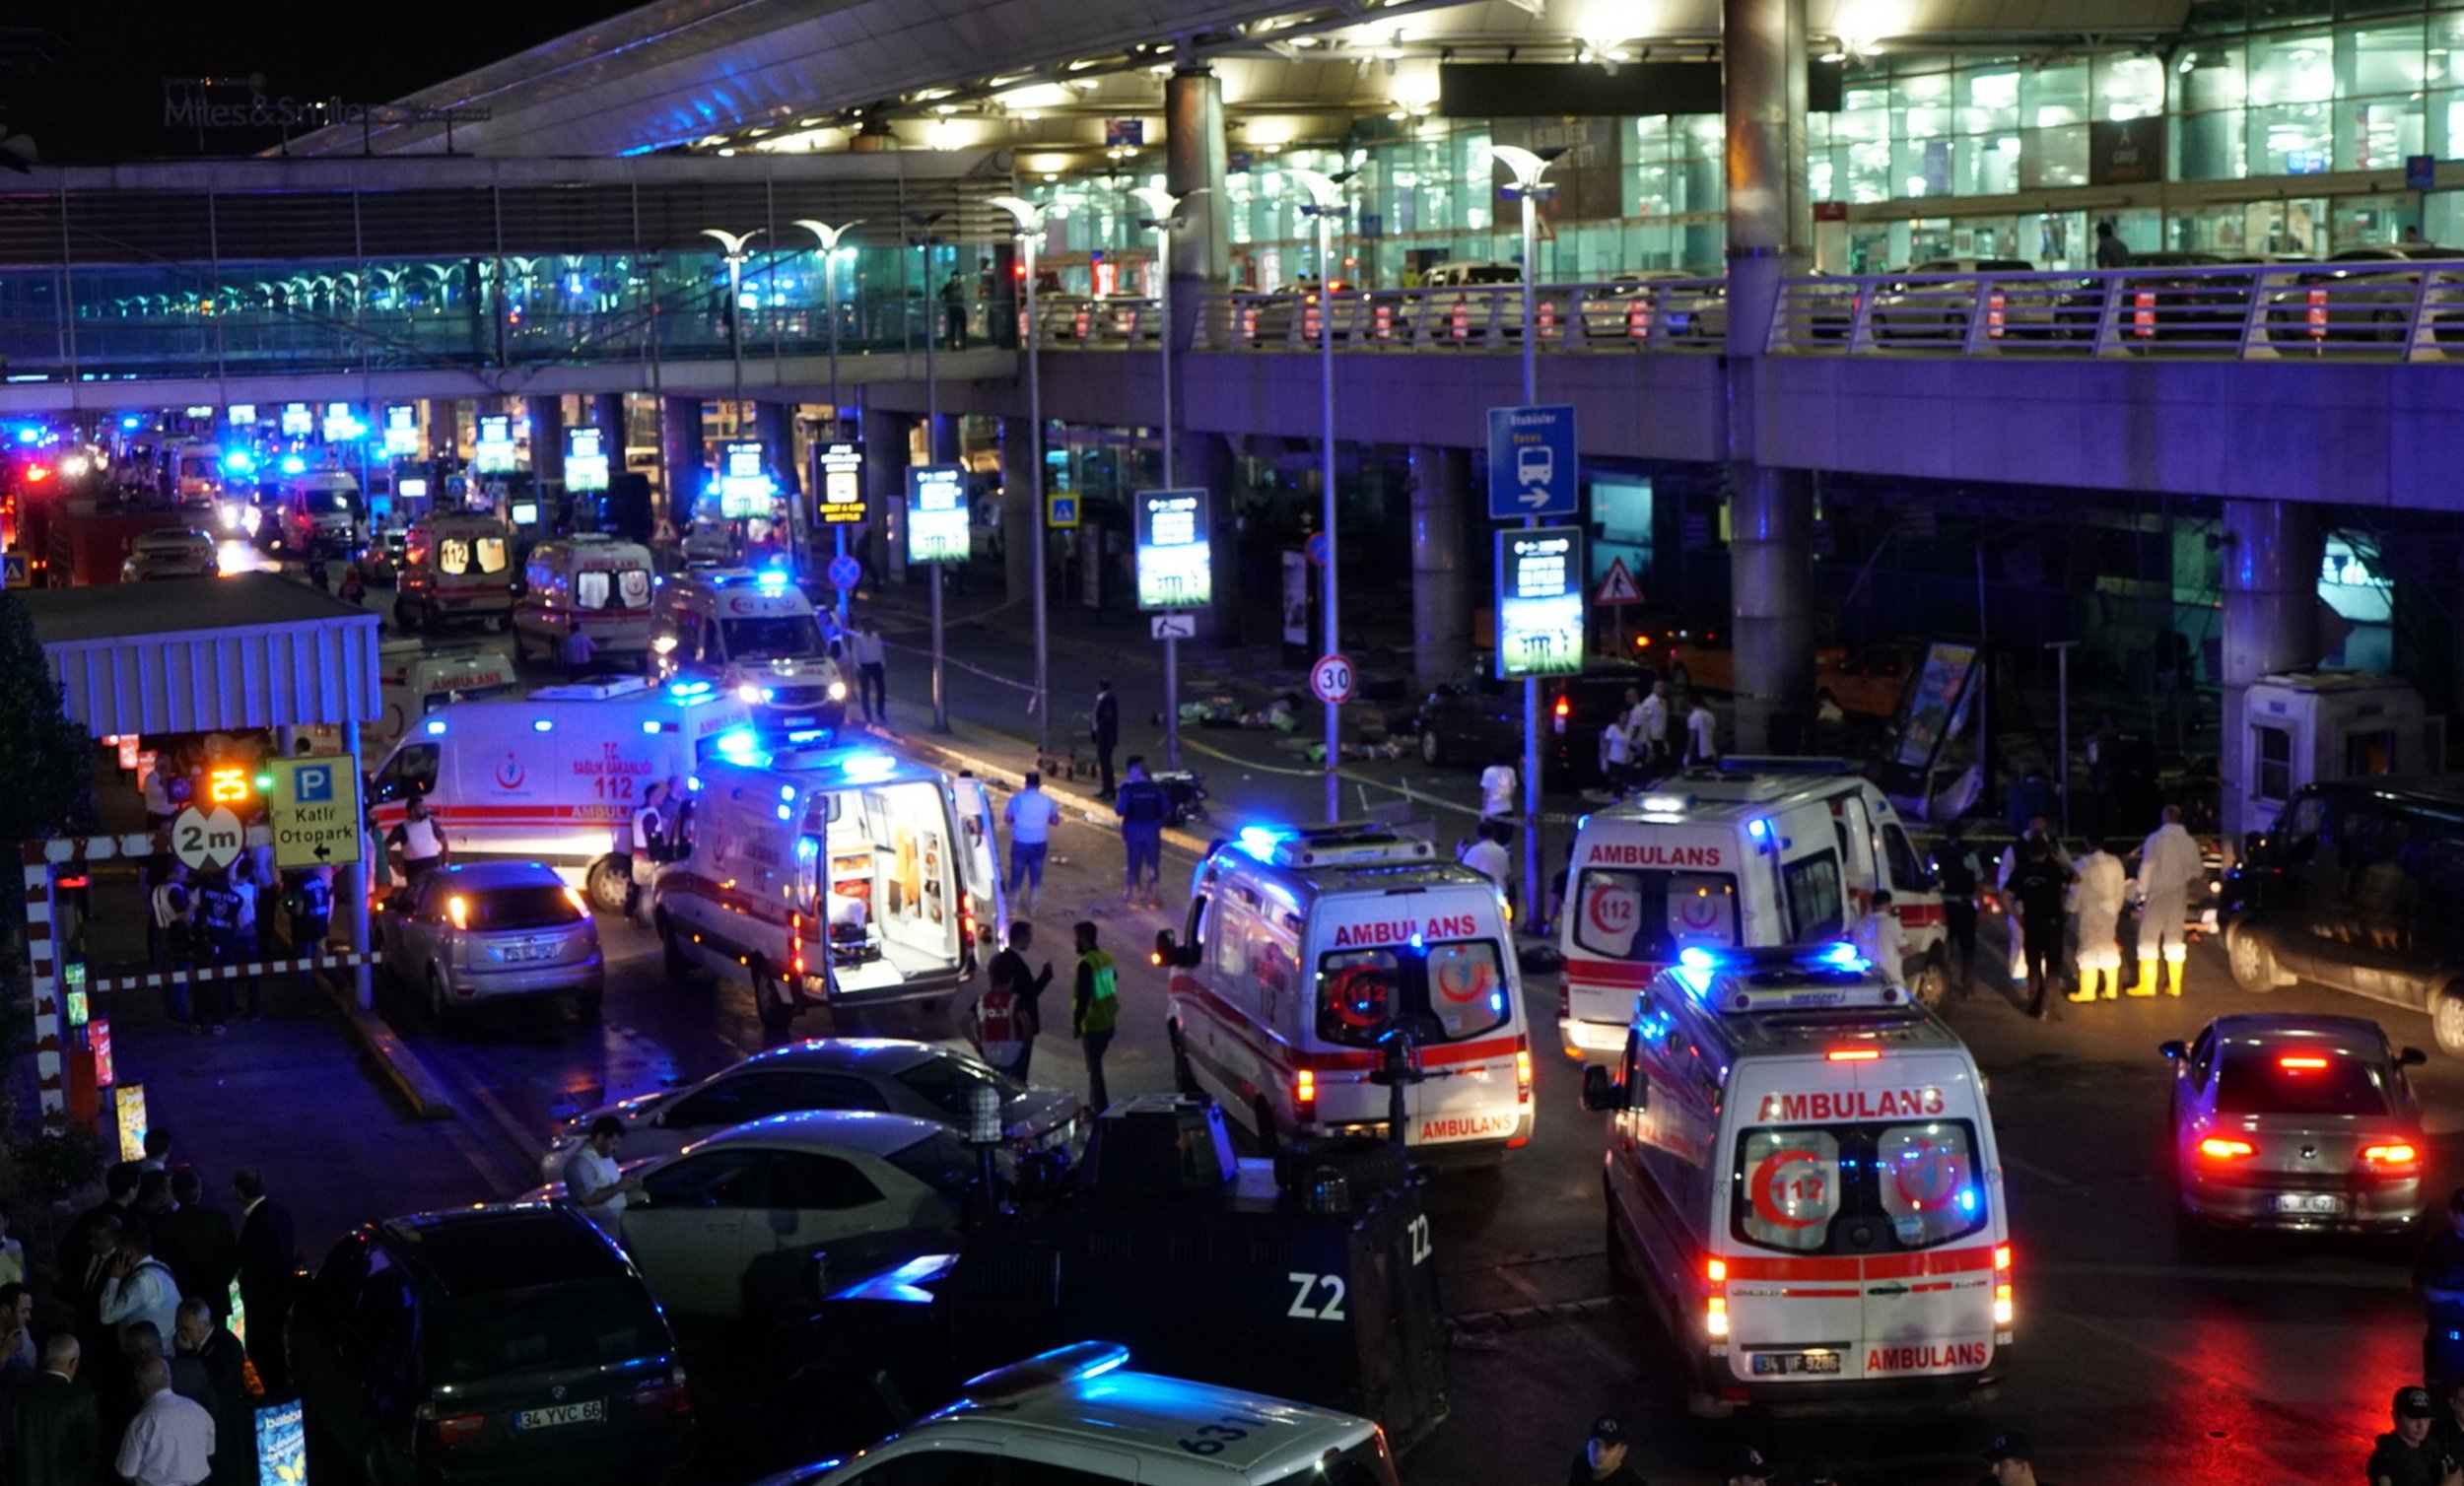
x: 1305, y: 1094
x: 2393, y: 1153
x: 1715, y: 1300
x: 795, y: 943
x: 582, y: 905
x: 1523, y: 1075
x: 448, y: 1431
x: 457, y: 909
x: 2215, y: 1148
x: 666, y: 1396
x: 2003, y: 1307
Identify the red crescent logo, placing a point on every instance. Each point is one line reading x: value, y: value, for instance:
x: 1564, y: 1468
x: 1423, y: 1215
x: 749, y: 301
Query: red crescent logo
x: 510, y: 774
x: 1768, y: 1180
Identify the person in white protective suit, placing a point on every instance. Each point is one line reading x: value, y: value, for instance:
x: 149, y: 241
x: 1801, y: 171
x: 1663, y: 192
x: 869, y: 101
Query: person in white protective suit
x: 2169, y: 867
x: 2104, y: 883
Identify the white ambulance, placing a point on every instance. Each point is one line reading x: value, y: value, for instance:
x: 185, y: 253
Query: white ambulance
x: 847, y: 871
x: 592, y: 582
x: 416, y: 678
x: 554, y: 775
x: 454, y: 568
x: 1753, y: 851
x: 1801, y: 1174
x: 756, y: 634
x: 1306, y: 948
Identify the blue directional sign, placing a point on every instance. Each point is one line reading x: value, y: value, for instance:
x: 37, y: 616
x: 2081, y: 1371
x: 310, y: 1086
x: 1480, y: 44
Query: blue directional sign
x: 1530, y: 462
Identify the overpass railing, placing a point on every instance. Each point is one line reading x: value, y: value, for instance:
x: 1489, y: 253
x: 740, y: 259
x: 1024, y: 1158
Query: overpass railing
x: 1614, y: 317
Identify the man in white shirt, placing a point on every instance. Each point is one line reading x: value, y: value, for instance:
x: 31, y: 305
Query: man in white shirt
x: 1878, y: 937
x: 871, y: 674
x: 171, y: 1442
x: 593, y: 1181
x: 1652, y: 717
x: 418, y: 840
x: 140, y: 1287
x: 1702, y: 734
x: 1485, y: 854
x: 1497, y: 790
x: 1030, y: 815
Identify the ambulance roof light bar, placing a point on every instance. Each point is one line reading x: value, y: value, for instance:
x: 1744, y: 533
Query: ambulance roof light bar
x: 1345, y: 843
x: 1790, y: 977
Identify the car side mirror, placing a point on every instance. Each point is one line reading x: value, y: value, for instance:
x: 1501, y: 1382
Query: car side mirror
x: 1603, y: 1095
x: 1166, y: 950
x: 2173, y: 1050
x: 2412, y: 1058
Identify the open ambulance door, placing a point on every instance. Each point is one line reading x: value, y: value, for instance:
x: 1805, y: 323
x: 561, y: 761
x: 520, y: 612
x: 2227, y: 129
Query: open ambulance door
x: 979, y: 868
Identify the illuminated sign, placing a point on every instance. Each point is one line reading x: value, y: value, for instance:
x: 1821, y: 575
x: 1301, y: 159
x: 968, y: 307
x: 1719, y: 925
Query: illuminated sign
x: 201, y: 410
x: 1174, y: 568
x: 243, y: 413
x: 493, y: 452
x: 282, y: 1443
x: 1539, y: 601
x: 128, y: 1111
x: 526, y: 514
x: 76, y: 1007
x: 401, y: 430
x: 296, y: 419
x: 586, y: 460
x: 937, y: 514
x: 98, y: 1045
x: 227, y: 785
x: 745, y: 489
x: 839, y: 492
x: 340, y: 424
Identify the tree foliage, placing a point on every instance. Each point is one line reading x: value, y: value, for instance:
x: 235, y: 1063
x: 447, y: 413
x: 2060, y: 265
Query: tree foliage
x: 48, y: 760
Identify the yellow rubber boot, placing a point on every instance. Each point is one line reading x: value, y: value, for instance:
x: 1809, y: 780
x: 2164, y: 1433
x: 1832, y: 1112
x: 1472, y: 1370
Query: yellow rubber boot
x: 2110, y: 981
x: 2173, y: 977
x: 2145, y: 986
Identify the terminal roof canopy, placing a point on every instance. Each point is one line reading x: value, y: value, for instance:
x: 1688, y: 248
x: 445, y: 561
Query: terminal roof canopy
x: 679, y: 74
x: 207, y: 654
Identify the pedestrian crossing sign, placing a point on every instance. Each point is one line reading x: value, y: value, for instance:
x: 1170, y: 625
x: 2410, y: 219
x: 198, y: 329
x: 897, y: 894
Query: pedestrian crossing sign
x: 1064, y: 512
x: 1618, y: 588
x: 15, y: 571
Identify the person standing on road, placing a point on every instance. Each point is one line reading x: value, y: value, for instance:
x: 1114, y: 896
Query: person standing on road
x: 1702, y: 735
x: 649, y: 848
x: 418, y: 840
x: 1601, y: 1461
x: 594, y: 1182
x: 872, y: 677
x: 581, y: 653
x: 2040, y: 885
x: 204, y: 1341
x: 1878, y: 937
x: 1094, y: 1010
x: 311, y: 915
x: 1616, y: 757
x: 1030, y: 815
x: 50, y: 1428
x: 2170, y: 866
x: 775, y: 1005
x: 269, y: 1269
x: 1105, y: 728
x: 218, y: 924
x: 998, y: 1023
x: 1498, y: 783
x: 2012, y: 1461
x: 174, y: 930
x: 1143, y: 806
x: 1012, y: 961
x: 2038, y: 827
x: 2102, y: 886
x: 249, y: 938
x: 1651, y: 716
x: 1485, y: 853
x: 2408, y: 1456
x: 1957, y: 873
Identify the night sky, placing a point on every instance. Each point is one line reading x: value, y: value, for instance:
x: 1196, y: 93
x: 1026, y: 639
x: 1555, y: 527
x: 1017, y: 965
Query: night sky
x: 86, y: 83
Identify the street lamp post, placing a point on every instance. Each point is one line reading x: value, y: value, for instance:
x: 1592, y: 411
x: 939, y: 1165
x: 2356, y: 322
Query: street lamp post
x: 1165, y: 220
x: 1029, y: 216
x: 925, y: 243
x: 829, y: 239
x: 1325, y: 199
x: 736, y: 246
x: 1527, y: 169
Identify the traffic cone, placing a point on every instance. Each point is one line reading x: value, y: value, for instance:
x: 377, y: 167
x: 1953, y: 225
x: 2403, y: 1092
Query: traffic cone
x: 2145, y: 986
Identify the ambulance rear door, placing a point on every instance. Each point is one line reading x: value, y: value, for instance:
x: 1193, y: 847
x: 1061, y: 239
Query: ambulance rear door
x: 978, y: 864
x: 1641, y: 893
x: 1859, y: 1220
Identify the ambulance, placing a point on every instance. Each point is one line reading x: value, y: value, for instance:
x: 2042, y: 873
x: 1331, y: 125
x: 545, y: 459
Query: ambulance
x: 1757, y: 850
x: 1802, y: 1176
x: 416, y: 678
x: 1307, y: 950
x: 455, y: 568
x: 851, y: 873
x: 592, y: 582
x: 754, y: 634
x: 554, y: 775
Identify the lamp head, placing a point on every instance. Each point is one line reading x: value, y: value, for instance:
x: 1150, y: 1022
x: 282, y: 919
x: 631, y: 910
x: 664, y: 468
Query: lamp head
x: 1324, y: 194
x: 1525, y: 166
x: 735, y: 244
x: 829, y: 236
x: 1028, y: 214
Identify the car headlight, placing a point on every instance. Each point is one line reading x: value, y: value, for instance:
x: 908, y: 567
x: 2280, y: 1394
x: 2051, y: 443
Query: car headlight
x: 837, y: 691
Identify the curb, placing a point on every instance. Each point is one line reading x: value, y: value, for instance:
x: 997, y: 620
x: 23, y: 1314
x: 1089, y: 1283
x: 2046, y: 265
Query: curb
x: 421, y: 1089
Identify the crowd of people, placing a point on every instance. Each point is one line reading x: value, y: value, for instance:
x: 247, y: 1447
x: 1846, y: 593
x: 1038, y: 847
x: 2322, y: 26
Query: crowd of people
x: 121, y: 1354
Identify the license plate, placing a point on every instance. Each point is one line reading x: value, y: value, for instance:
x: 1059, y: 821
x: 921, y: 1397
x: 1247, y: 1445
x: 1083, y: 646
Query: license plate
x: 592, y: 1412
x: 2309, y: 1202
x: 516, y: 954
x: 801, y: 721
x: 1795, y: 1364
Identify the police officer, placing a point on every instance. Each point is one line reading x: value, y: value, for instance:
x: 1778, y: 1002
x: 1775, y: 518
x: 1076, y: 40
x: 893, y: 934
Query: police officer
x: 2408, y: 1454
x: 2440, y: 1275
x: 2013, y: 1459
x: 649, y: 846
x: 1601, y: 1461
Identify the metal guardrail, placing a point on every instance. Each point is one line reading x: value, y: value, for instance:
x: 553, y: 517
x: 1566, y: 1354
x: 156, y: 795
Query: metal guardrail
x: 2388, y: 311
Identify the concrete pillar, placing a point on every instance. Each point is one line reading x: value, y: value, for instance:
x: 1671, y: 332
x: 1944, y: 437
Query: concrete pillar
x: 607, y: 411
x: 2272, y: 553
x: 547, y: 446
x: 774, y: 423
x: 1205, y: 460
x: 886, y: 443
x: 1022, y: 519
x: 1441, y: 570
x: 443, y: 418
x: 682, y: 458
x: 1769, y: 232
x: 1195, y: 158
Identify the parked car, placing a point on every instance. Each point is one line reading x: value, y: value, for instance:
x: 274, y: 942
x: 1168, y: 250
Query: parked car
x: 1658, y: 306
x: 492, y: 930
x: 2360, y: 295
x: 500, y: 1344
x: 732, y: 1226
x: 884, y: 1074
x: 1290, y: 313
x: 1937, y: 298
x: 1477, y: 720
x: 2301, y: 1123
x: 1457, y: 301
x: 171, y: 552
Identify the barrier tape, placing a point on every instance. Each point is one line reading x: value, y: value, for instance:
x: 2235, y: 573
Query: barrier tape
x: 165, y: 980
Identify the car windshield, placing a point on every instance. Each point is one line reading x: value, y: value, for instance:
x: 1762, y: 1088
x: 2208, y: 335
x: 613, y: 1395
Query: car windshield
x: 940, y: 1161
x: 503, y: 909
x: 327, y: 500
x: 768, y: 636
x: 2300, y: 1083
x: 1441, y: 993
x: 553, y: 1329
x: 1857, y: 1189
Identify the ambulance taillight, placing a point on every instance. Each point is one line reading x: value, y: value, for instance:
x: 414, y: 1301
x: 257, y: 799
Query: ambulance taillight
x: 2001, y: 1285
x: 1523, y: 1075
x: 1305, y: 1095
x: 795, y: 943
x: 1715, y: 1304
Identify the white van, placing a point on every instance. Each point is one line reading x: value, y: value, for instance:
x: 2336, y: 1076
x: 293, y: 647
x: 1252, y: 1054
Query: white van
x: 1801, y: 1170
x: 554, y: 775
x: 755, y: 634
x: 196, y: 473
x: 846, y: 869
x: 593, y: 582
x: 455, y: 567
x: 319, y: 512
x: 1306, y: 948
x: 1753, y: 851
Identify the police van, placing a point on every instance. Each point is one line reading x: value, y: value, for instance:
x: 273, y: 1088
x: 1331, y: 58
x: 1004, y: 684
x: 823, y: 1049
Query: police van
x: 556, y: 775
x: 851, y: 873
x: 1754, y: 851
x: 1801, y: 1172
x: 753, y: 634
x: 1308, y: 951
x: 592, y: 582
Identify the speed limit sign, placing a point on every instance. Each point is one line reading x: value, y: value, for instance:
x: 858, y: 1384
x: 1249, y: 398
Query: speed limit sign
x: 1332, y: 679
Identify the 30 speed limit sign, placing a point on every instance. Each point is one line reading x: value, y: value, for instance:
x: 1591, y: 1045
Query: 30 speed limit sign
x: 1332, y: 679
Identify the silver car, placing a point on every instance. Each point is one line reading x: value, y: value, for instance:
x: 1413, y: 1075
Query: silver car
x: 171, y: 552
x: 886, y: 1075
x: 2295, y: 1123
x: 490, y: 931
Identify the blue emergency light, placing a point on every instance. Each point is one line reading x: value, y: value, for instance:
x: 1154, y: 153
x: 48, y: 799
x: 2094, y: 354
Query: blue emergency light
x: 240, y: 461
x: 1260, y: 841
x: 293, y: 464
x: 738, y: 742
x: 867, y: 766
